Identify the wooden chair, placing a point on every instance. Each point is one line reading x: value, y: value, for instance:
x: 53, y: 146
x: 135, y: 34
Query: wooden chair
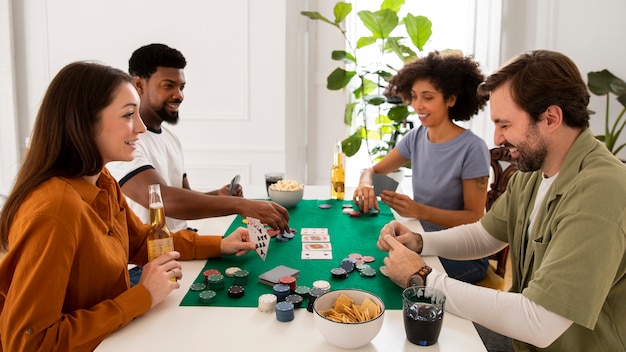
x: 503, y: 168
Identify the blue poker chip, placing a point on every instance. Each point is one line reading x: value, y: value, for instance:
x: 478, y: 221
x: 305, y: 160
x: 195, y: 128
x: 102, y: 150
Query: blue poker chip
x: 348, y: 265
x: 288, y: 235
x: 281, y: 238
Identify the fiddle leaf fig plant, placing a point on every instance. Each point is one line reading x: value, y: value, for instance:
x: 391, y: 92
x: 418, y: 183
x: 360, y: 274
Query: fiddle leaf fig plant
x: 374, y: 118
x: 604, y: 83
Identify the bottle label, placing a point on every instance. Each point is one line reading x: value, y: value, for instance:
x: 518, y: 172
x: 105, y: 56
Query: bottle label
x: 160, y: 246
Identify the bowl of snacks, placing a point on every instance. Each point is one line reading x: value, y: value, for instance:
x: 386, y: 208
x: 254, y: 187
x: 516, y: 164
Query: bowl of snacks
x: 287, y: 193
x: 348, y: 318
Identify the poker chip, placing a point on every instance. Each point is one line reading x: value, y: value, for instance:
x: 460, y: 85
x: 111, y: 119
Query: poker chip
x: 355, y: 214
x: 281, y: 291
x: 289, y: 281
x: 236, y: 291
x: 368, y: 259
x: 348, y: 265
x: 383, y: 270
x: 372, y: 212
x: 322, y: 285
x: 314, y: 294
x: 267, y: 303
x: 356, y: 256
x: 216, y: 282
x: 198, y: 286
x: 368, y: 272
x: 208, y: 273
x: 207, y: 297
x: 284, y: 311
x: 361, y: 266
x: 303, y: 291
x: 281, y: 238
x: 288, y: 235
x: 240, y: 277
x: 346, y: 205
x: 347, y: 210
x: 231, y: 271
x: 295, y: 299
x: 325, y: 206
x: 339, y: 273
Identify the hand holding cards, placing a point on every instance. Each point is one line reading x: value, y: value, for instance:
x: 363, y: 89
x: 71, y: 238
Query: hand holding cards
x: 382, y: 183
x: 258, y: 235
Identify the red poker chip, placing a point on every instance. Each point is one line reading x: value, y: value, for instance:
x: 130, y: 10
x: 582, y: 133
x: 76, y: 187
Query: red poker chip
x: 208, y: 273
x: 368, y: 259
x: 355, y: 214
x: 356, y: 256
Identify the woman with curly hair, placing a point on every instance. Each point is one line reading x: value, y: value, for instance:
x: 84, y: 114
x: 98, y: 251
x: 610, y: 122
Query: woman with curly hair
x: 450, y: 165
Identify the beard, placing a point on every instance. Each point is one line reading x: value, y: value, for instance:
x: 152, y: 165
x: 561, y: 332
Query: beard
x: 172, y: 119
x: 532, y: 158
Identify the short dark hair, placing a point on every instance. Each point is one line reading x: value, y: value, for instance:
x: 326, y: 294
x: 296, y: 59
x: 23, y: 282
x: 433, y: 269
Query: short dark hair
x: 541, y: 78
x: 452, y: 74
x: 145, y: 60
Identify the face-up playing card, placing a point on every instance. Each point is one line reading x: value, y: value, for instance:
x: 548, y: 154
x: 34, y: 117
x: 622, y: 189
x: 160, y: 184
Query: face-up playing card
x: 314, y: 231
x: 317, y: 254
x: 315, y: 238
x: 316, y: 246
x: 258, y: 235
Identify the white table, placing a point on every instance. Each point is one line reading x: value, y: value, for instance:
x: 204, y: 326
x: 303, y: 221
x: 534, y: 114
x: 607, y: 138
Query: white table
x: 170, y: 327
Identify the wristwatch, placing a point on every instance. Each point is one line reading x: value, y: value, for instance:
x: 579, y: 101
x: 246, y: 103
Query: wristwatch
x: 419, y: 277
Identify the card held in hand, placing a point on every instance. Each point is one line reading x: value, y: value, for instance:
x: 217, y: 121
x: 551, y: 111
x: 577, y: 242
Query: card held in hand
x: 258, y: 235
x: 383, y: 182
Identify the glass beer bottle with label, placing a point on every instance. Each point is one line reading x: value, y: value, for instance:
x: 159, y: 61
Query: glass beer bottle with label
x: 160, y: 239
x: 337, y: 177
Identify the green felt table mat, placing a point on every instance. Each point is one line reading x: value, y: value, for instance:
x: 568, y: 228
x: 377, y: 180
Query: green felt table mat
x: 347, y: 235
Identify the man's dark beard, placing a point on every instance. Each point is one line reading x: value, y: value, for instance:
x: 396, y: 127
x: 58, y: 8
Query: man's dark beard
x: 532, y: 159
x: 172, y: 119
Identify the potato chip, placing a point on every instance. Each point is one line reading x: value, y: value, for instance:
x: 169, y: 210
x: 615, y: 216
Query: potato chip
x: 345, y: 311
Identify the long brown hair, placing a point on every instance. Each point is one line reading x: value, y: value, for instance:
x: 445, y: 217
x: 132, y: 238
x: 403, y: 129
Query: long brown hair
x: 62, y: 141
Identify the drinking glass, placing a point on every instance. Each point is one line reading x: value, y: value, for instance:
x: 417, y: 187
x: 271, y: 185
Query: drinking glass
x: 422, y: 308
x: 271, y: 178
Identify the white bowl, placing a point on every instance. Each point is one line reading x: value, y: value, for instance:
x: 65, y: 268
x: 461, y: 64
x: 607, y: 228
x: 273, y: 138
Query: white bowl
x: 347, y: 335
x: 287, y: 199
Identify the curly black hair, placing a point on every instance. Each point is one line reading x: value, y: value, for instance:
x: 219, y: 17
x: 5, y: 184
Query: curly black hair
x: 145, y: 60
x: 451, y: 74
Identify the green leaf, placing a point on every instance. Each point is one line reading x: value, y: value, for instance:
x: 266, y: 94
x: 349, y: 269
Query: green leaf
x: 403, y: 52
x: 342, y: 55
x: 419, y: 29
x: 339, y: 78
x: 367, y: 86
x: 349, y: 113
x: 342, y: 10
x: 381, y: 23
x: 382, y: 119
x: 375, y: 100
x: 393, y: 5
x: 599, y: 82
x: 399, y: 113
x: 365, y: 41
x: 314, y: 15
x: 351, y: 145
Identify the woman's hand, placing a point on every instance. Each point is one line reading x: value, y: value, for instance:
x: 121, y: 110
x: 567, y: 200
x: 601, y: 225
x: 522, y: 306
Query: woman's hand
x: 156, y: 275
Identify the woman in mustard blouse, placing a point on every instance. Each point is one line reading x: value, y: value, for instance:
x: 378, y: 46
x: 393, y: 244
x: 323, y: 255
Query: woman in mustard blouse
x: 66, y: 227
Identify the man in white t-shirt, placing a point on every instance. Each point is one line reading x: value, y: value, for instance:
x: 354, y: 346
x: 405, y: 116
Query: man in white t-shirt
x: 158, y: 73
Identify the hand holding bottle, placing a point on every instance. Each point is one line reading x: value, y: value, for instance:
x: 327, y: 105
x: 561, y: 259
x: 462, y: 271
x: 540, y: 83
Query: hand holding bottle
x: 160, y: 276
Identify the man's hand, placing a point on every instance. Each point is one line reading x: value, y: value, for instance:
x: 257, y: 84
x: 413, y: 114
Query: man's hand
x: 406, y: 237
x: 401, y: 262
x: 270, y: 213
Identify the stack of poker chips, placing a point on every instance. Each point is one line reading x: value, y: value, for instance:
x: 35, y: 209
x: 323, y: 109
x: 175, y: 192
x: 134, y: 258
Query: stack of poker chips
x: 314, y: 294
x: 267, y: 303
x: 284, y: 311
x: 216, y: 282
x: 240, y: 277
x: 281, y: 291
x: 322, y: 285
x: 289, y: 281
x: 236, y: 291
x: 295, y: 299
x: 207, y: 297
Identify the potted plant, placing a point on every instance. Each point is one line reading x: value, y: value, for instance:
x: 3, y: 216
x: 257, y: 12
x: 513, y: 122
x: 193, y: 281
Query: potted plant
x: 604, y: 83
x: 380, y: 120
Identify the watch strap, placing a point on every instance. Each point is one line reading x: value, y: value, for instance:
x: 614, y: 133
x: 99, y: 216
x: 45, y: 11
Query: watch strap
x: 422, y: 274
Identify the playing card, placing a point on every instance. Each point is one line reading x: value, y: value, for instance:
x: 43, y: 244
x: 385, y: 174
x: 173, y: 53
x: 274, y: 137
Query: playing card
x: 315, y: 238
x: 316, y: 246
x: 383, y: 182
x: 258, y: 235
x: 273, y: 276
x: 314, y: 231
x: 317, y: 254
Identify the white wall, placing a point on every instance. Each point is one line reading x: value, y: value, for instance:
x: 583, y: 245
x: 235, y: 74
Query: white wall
x: 256, y: 98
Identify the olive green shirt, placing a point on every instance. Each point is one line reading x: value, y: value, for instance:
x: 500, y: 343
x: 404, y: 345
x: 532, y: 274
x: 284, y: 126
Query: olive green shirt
x: 573, y: 261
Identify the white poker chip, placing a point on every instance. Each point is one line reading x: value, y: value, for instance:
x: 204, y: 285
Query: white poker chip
x: 267, y: 303
x: 231, y: 271
x: 322, y: 284
x: 383, y: 270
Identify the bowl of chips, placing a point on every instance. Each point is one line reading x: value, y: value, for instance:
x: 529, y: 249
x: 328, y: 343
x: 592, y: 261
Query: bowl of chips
x: 287, y: 193
x: 348, y: 318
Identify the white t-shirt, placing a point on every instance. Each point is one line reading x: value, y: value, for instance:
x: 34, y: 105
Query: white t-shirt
x: 162, y: 151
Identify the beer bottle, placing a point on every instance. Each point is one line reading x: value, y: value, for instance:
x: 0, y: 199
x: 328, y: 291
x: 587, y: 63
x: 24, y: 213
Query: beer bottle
x: 160, y: 239
x: 337, y: 176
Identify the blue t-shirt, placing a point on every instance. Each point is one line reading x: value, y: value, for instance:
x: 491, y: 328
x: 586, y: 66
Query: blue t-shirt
x: 440, y: 168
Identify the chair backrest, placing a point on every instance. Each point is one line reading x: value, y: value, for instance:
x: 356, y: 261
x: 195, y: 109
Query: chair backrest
x: 503, y: 168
